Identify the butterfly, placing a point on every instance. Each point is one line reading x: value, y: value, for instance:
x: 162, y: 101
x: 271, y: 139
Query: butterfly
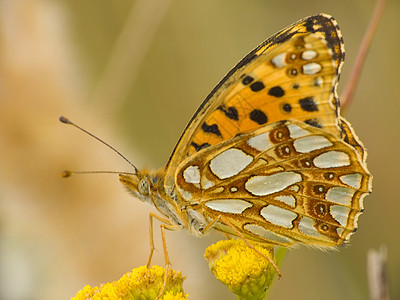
x: 267, y: 155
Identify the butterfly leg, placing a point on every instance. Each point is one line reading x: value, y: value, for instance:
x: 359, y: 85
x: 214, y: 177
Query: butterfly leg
x: 166, y: 225
x: 166, y: 258
x: 239, y: 234
x: 151, y: 235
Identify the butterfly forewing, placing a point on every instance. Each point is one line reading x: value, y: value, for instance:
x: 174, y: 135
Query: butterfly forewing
x: 292, y: 75
x: 285, y: 183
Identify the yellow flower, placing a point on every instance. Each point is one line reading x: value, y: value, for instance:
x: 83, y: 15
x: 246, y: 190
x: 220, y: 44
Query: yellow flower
x: 244, y: 271
x: 140, y: 284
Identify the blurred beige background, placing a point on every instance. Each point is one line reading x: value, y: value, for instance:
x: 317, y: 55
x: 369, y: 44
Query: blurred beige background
x: 134, y: 72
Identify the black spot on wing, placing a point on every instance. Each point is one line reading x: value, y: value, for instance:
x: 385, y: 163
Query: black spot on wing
x: 308, y: 104
x: 313, y: 122
x: 198, y: 147
x: 257, y: 86
x: 211, y: 129
x: 287, y: 107
x: 231, y: 112
x: 258, y: 116
x: 247, y: 80
x: 276, y: 91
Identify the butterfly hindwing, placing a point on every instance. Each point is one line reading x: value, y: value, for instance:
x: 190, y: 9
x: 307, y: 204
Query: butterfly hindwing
x: 285, y: 183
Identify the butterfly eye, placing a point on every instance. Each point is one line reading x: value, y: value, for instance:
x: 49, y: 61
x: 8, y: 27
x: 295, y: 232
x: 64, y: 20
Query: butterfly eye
x: 144, y: 187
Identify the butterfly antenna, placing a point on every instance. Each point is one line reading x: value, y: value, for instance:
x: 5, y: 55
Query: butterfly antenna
x: 69, y: 173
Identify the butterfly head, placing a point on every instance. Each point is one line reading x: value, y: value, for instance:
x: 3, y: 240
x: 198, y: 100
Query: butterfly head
x: 140, y: 185
x: 147, y: 186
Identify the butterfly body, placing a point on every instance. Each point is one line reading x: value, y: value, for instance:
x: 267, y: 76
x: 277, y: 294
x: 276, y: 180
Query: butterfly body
x: 267, y: 154
x: 148, y: 187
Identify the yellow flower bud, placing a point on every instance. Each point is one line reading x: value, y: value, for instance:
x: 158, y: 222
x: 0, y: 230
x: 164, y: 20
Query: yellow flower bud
x: 244, y: 271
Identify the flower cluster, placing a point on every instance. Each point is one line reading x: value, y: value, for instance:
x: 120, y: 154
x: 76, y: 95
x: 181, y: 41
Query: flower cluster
x: 140, y: 284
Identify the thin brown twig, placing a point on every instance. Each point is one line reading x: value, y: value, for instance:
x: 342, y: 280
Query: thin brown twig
x: 348, y: 92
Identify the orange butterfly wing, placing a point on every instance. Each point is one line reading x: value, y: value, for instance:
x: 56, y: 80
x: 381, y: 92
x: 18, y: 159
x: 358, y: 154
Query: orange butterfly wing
x: 292, y: 75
